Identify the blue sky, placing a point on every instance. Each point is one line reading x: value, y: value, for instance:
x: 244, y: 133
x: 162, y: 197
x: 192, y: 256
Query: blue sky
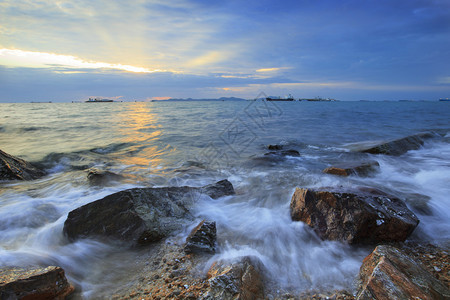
x: 140, y: 50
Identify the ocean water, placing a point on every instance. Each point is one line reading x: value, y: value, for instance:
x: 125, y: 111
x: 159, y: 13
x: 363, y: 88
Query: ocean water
x: 196, y: 143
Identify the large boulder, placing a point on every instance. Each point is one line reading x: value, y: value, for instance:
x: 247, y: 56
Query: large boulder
x: 14, y: 168
x: 202, y: 238
x: 400, y: 146
x: 355, y: 218
x: 141, y: 215
x: 239, y: 280
x: 34, y: 283
x: 360, y: 169
x: 388, y: 273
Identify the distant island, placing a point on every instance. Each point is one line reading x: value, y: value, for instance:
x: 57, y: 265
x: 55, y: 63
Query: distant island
x: 192, y: 99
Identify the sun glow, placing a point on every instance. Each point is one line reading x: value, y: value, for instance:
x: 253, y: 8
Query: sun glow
x: 20, y: 58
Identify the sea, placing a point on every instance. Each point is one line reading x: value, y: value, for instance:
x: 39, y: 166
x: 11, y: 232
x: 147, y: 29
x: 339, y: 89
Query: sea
x: 195, y: 143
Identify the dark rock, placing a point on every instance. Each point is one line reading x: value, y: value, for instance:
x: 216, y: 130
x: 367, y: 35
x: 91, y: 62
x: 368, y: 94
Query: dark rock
x: 97, y: 177
x: 289, y: 152
x: 139, y: 216
x: 14, y: 168
x: 275, y: 147
x: 389, y: 273
x: 355, y: 218
x: 239, y: 280
x: 34, y: 283
x: 360, y: 169
x: 419, y: 203
x: 400, y: 146
x: 218, y: 189
x: 202, y: 238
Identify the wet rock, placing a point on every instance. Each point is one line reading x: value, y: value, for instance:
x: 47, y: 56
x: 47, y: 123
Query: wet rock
x: 139, y: 216
x: 218, y: 189
x: 239, y: 280
x: 289, y: 152
x: 275, y: 147
x: 98, y: 177
x: 400, y: 146
x: 202, y: 238
x: 355, y: 218
x: 14, y: 168
x: 388, y: 273
x: 34, y: 283
x: 360, y: 169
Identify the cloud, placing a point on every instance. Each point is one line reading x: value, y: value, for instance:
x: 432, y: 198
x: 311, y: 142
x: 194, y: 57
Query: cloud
x: 328, y: 45
x: 444, y: 80
x: 20, y: 58
x: 268, y: 70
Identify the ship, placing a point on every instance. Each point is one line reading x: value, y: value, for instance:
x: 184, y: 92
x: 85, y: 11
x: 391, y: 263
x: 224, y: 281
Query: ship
x: 288, y: 98
x: 96, y: 100
x: 319, y: 99
x: 444, y: 99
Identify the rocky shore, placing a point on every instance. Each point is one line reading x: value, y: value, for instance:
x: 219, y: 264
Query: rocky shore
x: 147, y: 220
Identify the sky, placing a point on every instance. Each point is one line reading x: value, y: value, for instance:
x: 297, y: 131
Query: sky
x: 60, y: 50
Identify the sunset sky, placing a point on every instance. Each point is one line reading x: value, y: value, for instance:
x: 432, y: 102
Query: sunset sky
x: 140, y: 50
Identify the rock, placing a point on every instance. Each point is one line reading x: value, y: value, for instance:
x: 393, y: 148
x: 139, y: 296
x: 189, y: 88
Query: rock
x: 139, y: 216
x: 419, y: 203
x: 14, y: 168
x: 275, y: 147
x: 361, y: 169
x: 388, y: 273
x: 202, y: 238
x: 239, y: 280
x: 400, y: 146
x: 355, y: 218
x: 289, y: 152
x: 97, y: 177
x: 34, y: 283
x: 218, y: 189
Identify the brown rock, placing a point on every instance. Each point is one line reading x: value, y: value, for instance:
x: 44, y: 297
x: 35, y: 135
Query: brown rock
x: 202, y: 238
x: 239, y: 280
x: 34, y: 283
x: 14, y: 168
x: 388, y: 273
x: 354, y: 218
x: 362, y: 169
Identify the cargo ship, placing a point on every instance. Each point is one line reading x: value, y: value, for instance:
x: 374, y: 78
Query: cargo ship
x: 288, y: 98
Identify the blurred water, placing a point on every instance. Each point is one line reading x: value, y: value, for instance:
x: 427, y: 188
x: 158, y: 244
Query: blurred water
x: 197, y: 143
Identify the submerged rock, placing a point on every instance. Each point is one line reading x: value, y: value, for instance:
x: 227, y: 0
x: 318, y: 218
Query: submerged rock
x: 34, y: 283
x: 355, y: 218
x: 389, y: 273
x: 289, y: 152
x: 275, y: 147
x: 14, y: 168
x: 400, y: 146
x: 239, y: 280
x: 141, y: 215
x: 360, y: 169
x: 202, y: 238
x: 98, y: 177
